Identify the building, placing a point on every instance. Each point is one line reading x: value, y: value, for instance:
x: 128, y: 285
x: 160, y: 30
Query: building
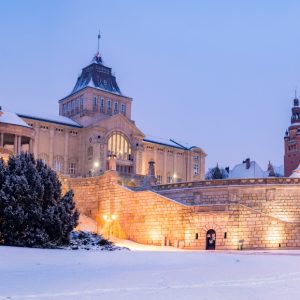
x: 94, y: 132
x: 292, y: 141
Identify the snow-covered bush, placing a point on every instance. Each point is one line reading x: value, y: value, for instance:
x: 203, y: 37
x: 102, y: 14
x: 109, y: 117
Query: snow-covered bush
x: 85, y: 240
x: 33, y: 211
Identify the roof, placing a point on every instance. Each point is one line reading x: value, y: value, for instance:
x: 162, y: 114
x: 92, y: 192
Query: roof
x: 98, y: 76
x: 12, y: 118
x: 168, y: 142
x: 51, y: 119
x: 254, y: 171
x: 296, y: 173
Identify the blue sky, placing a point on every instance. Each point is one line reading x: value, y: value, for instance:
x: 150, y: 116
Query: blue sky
x: 217, y: 74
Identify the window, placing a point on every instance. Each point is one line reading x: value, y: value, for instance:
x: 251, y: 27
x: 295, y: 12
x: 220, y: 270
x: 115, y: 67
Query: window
x: 90, y: 153
x: 95, y: 104
x: 169, y: 179
x: 123, y: 109
x: 116, y: 108
x: 196, y: 158
x: 109, y: 106
x: 159, y: 179
x: 69, y: 106
x: 58, y: 163
x: 43, y: 157
x: 119, y: 145
x: 196, y: 169
x: 102, y: 105
x: 81, y: 103
x: 72, y: 168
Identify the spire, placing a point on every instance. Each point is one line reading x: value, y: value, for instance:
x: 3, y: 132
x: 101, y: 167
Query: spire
x: 99, y: 37
x: 97, y: 58
x: 296, y: 100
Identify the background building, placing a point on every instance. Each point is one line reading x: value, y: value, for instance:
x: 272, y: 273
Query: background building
x: 292, y: 141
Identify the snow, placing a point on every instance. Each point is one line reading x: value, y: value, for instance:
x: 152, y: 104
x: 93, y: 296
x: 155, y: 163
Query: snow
x: 296, y: 173
x: 51, y: 118
x: 240, y: 171
x: 162, y: 141
x: 12, y: 118
x: 143, y: 275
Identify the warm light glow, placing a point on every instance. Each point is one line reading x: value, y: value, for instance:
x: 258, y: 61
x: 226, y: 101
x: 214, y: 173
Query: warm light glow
x: 174, y: 176
x: 109, y: 218
x: 96, y: 164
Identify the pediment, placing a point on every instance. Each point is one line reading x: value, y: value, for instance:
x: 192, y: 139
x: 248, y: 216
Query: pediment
x: 121, y: 123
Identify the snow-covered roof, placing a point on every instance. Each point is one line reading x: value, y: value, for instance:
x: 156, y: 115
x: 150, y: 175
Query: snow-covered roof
x: 12, y: 118
x: 168, y: 142
x: 98, y: 76
x: 296, y: 173
x: 51, y: 119
x: 241, y: 171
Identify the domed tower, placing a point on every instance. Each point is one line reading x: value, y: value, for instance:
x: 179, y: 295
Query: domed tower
x: 292, y: 141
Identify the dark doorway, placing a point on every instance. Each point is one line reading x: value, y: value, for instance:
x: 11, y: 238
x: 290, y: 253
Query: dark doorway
x: 211, y: 240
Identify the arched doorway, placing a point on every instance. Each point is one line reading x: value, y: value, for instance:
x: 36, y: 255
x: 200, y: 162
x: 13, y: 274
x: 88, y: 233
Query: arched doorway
x: 210, y: 240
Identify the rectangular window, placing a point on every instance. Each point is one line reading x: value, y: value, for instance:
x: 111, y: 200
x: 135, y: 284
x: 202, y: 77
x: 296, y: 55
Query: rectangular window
x: 123, y: 109
x: 81, y: 103
x: 159, y: 179
x: 109, y: 106
x: 196, y: 158
x: 102, y: 105
x: 116, y: 108
x: 169, y: 179
x: 72, y: 168
x: 196, y: 169
x: 95, y: 104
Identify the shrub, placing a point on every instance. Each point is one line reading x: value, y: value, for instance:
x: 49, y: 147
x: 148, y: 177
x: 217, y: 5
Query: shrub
x: 33, y: 211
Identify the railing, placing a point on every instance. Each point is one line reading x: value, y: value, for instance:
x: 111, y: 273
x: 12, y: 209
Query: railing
x: 228, y: 182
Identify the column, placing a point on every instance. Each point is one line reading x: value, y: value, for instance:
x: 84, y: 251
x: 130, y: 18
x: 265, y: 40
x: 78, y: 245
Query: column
x: 36, y: 142
x: 19, y: 143
x: 66, y: 156
x: 16, y: 144
x: 1, y: 139
x: 51, y: 147
x: 165, y: 167
x: 175, y: 166
x: 30, y: 145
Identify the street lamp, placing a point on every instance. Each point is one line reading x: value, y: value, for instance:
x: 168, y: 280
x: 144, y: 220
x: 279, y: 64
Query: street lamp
x: 109, y: 219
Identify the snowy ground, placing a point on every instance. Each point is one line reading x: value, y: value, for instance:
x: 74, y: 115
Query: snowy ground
x: 66, y: 274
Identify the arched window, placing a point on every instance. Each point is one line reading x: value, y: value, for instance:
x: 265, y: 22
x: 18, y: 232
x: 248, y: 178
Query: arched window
x: 119, y: 145
x: 58, y: 163
x: 43, y: 157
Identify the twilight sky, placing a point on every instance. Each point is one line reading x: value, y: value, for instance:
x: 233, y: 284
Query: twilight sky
x: 217, y: 74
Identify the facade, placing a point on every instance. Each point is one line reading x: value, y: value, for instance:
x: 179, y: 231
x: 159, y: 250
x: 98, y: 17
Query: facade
x: 94, y: 128
x: 292, y: 141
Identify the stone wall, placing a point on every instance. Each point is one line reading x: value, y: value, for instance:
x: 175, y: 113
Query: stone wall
x: 257, y: 216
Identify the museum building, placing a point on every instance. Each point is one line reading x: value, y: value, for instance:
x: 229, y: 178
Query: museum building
x: 94, y: 132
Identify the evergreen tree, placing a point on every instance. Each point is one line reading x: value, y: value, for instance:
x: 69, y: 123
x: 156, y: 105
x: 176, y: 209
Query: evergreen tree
x: 33, y: 211
x: 216, y: 173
